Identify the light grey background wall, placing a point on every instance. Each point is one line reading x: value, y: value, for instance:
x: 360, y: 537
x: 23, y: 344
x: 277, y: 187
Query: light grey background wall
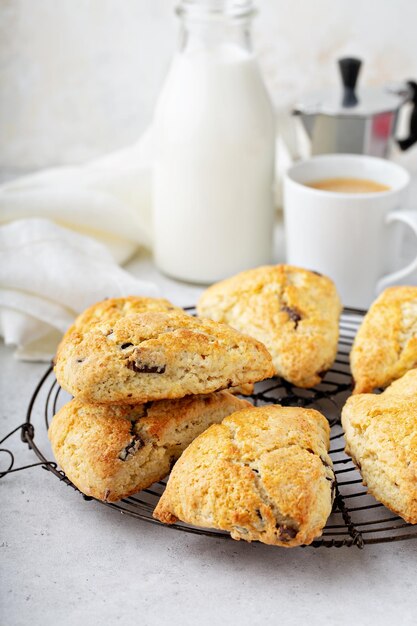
x: 80, y: 77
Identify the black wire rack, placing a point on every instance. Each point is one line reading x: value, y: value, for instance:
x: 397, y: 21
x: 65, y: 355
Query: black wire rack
x: 357, y: 518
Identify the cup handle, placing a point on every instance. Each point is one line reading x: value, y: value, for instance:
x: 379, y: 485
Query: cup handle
x: 410, y: 218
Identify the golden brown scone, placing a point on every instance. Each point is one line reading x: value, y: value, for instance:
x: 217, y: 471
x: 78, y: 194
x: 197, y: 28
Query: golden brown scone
x: 158, y: 355
x: 293, y: 311
x: 110, y: 451
x: 385, y: 347
x: 381, y: 437
x: 262, y: 474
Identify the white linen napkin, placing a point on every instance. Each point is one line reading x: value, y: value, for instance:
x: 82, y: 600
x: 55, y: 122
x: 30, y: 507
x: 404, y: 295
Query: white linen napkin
x: 109, y: 198
x: 49, y: 274
x: 53, y: 268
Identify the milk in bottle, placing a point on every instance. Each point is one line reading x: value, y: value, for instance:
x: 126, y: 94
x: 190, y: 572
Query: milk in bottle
x: 214, y: 141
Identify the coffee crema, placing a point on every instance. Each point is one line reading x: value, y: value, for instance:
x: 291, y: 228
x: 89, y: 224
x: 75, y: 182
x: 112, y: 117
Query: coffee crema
x: 348, y: 185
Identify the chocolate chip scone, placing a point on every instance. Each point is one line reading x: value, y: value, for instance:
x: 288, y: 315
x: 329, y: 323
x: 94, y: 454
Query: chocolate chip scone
x: 381, y: 437
x: 110, y: 451
x: 293, y: 311
x: 262, y: 474
x: 158, y: 355
x: 385, y: 347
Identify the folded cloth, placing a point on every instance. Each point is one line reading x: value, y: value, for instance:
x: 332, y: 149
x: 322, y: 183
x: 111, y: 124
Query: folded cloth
x: 109, y: 198
x: 49, y: 274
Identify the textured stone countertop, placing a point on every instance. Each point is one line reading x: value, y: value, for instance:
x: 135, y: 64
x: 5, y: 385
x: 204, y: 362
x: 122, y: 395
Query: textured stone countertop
x: 68, y: 562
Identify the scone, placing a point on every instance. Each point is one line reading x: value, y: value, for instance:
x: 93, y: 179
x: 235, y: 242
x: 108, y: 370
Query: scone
x: 110, y: 452
x: 381, y: 437
x: 293, y: 311
x: 385, y: 347
x: 262, y: 474
x: 158, y: 355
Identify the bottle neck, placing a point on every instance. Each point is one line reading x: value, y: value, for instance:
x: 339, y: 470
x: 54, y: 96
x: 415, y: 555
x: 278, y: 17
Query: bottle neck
x: 209, y: 24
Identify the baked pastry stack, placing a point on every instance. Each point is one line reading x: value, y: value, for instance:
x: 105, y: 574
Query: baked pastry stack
x: 147, y: 379
x: 150, y: 385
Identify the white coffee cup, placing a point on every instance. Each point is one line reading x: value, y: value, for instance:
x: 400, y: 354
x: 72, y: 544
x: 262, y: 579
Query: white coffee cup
x: 347, y: 236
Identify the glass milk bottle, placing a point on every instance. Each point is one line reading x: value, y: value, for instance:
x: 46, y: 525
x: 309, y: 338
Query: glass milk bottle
x: 214, y: 149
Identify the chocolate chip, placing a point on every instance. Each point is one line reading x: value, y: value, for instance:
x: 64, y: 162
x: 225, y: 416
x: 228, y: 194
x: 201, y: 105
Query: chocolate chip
x: 286, y: 533
x: 80, y: 360
x: 310, y: 450
x: 255, y: 470
x: 293, y: 314
x: 132, y: 447
x: 259, y: 514
x: 316, y: 273
x: 143, y: 368
x: 126, y: 345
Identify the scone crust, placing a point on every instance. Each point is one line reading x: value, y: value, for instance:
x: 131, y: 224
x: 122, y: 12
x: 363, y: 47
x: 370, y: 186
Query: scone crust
x: 107, y: 312
x: 263, y: 474
x: 110, y: 452
x: 385, y: 347
x: 381, y: 437
x: 293, y: 311
x: 158, y: 355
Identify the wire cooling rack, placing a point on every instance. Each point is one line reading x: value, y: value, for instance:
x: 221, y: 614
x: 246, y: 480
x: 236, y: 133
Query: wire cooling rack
x: 357, y: 518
